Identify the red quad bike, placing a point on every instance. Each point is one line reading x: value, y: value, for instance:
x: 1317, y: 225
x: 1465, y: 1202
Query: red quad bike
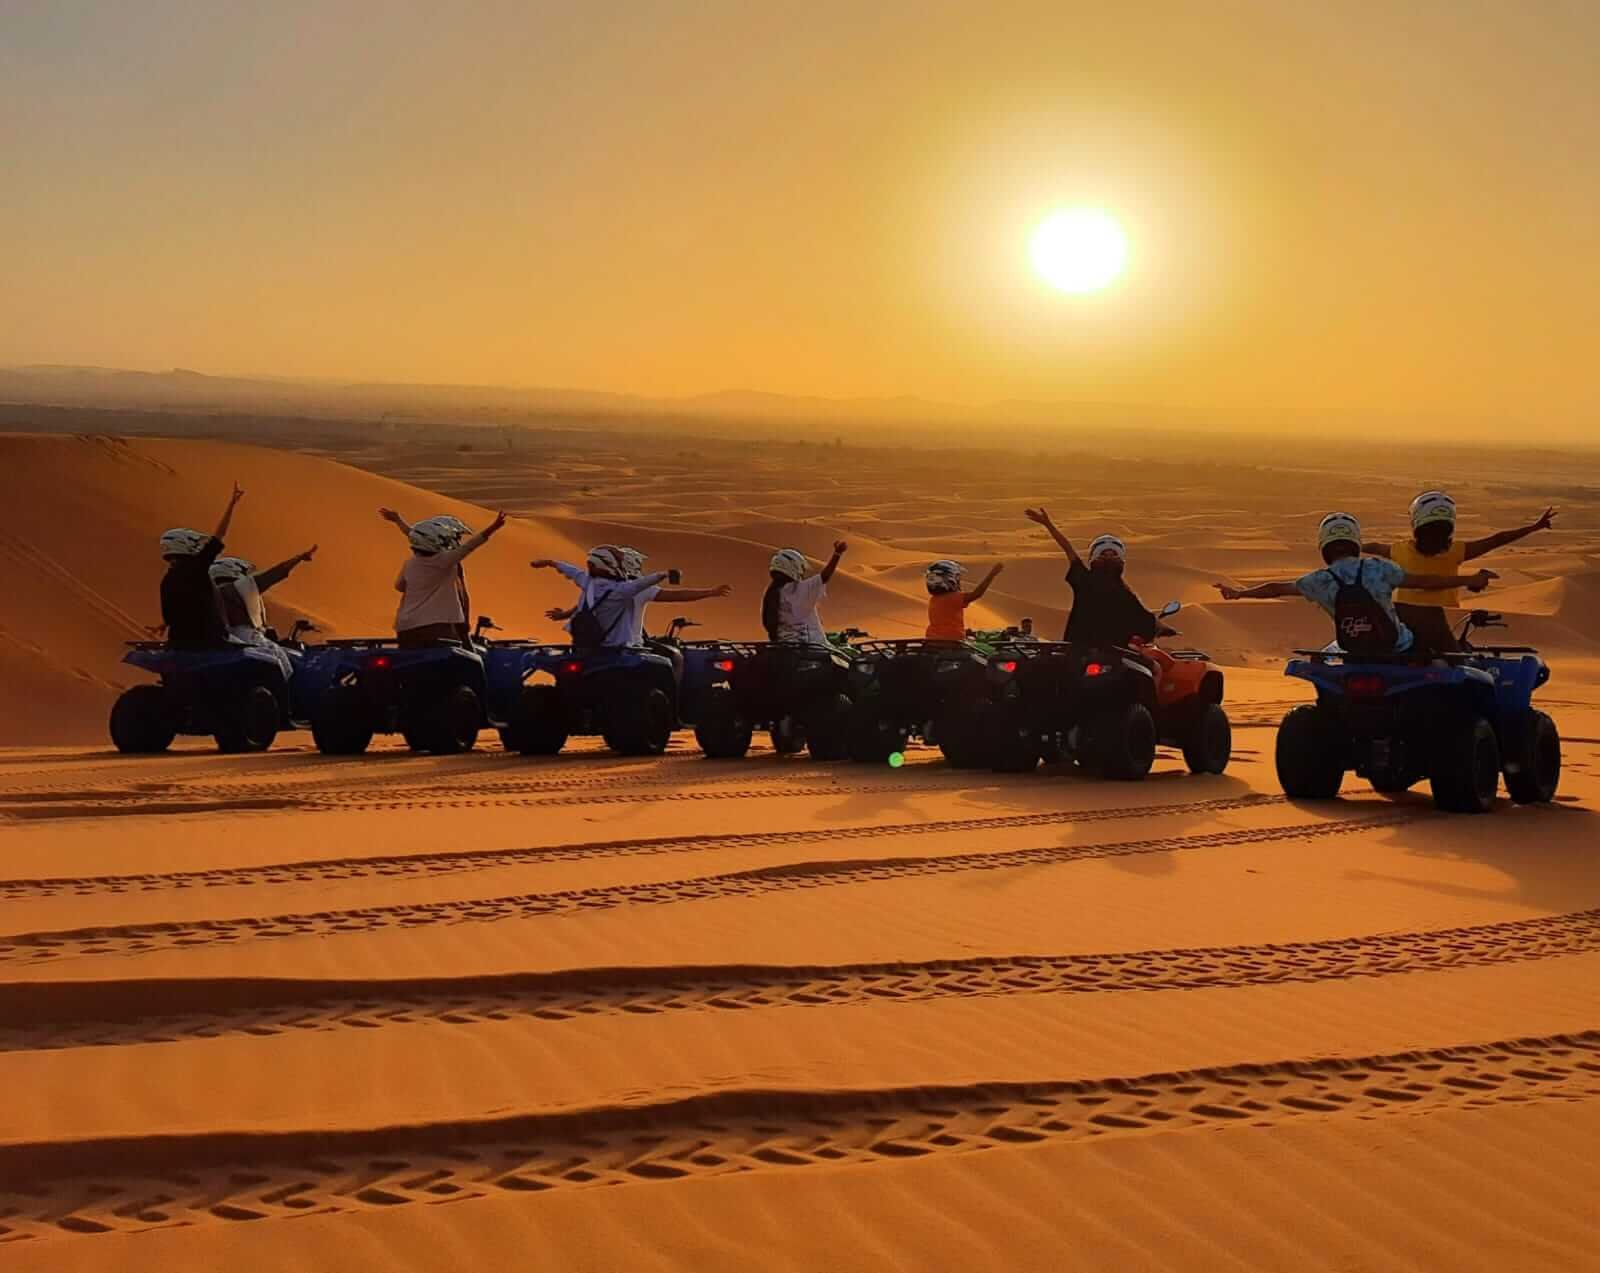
x: 1106, y: 708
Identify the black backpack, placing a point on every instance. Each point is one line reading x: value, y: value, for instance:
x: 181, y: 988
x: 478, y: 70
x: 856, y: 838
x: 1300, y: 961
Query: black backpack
x: 587, y: 630
x: 1363, y: 626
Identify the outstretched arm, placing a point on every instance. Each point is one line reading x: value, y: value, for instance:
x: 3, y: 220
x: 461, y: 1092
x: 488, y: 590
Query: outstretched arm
x: 694, y: 594
x: 839, y: 547
x: 389, y: 515
x: 983, y: 584
x: 1041, y: 516
x: 274, y: 575
x: 221, y: 531
x: 1438, y: 583
x: 1477, y: 547
x: 1261, y: 592
x: 560, y: 615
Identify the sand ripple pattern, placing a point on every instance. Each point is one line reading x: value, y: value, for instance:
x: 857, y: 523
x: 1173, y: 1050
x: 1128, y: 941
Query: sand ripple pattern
x: 133, y: 939
x: 58, y: 1189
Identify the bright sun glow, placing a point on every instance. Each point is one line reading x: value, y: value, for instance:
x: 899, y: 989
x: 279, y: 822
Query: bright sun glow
x: 1079, y: 249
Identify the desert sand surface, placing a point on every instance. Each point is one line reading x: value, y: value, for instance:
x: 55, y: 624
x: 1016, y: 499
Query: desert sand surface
x: 597, y: 1013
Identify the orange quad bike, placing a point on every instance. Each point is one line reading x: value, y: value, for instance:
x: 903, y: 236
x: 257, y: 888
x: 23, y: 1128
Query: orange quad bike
x: 1189, y: 712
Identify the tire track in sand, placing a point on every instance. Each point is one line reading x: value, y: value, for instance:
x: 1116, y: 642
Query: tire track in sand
x: 133, y: 939
x: 119, y: 1185
x: 451, y: 861
x: 45, y: 1016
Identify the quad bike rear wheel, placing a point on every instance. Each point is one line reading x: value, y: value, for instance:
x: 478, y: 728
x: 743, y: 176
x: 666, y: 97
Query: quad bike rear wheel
x: 872, y: 737
x: 1208, y: 746
x: 1532, y: 756
x: 961, y: 732
x: 1012, y: 745
x: 1311, y: 754
x: 342, y: 725
x: 142, y: 721
x: 638, y: 721
x: 1466, y: 775
x: 723, y: 731
x: 788, y: 736
x: 1122, y: 742
x: 540, y: 726
x: 249, y: 723
x: 827, y: 724
x: 446, y: 724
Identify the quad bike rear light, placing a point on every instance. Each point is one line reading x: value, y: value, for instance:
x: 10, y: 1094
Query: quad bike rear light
x: 1094, y: 669
x: 1364, y: 686
x: 723, y: 665
x: 378, y: 661
x: 1007, y: 665
x: 572, y: 668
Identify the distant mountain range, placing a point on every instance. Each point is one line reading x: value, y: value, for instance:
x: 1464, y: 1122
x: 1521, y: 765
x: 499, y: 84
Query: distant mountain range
x: 185, y: 391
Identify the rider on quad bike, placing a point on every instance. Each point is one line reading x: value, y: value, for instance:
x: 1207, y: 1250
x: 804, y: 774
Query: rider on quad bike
x: 1105, y: 611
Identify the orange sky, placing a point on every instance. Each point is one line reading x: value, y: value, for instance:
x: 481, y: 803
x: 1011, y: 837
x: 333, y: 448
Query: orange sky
x: 1387, y: 205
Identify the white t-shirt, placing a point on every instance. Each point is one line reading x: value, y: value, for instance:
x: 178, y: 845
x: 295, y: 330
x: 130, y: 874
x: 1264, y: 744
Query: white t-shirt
x: 636, y: 620
x: 798, y: 619
x: 605, y: 597
x: 428, y: 591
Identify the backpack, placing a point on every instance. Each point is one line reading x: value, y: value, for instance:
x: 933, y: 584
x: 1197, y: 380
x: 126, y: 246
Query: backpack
x: 587, y: 630
x: 1363, y: 626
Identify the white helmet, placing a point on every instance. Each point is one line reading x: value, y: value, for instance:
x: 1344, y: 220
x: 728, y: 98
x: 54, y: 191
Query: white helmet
x: 632, y: 562
x: 944, y: 576
x: 227, y: 569
x: 788, y: 562
x: 436, y: 534
x: 1432, y: 506
x: 1108, y: 544
x: 607, y: 561
x: 182, y: 542
x: 1338, y: 528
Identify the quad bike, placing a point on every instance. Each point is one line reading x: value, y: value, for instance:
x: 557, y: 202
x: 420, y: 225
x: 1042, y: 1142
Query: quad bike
x: 235, y: 693
x: 937, y: 691
x: 1106, y: 708
x: 1459, y: 719
x: 433, y: 695
x: 799, y: 693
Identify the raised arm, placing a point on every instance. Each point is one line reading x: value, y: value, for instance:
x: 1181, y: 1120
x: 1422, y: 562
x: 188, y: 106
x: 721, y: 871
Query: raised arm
x: 389, y: 515
x: 1261, y: 592
x: 221, y: 531
x: 1041, y: 516
x: 274, y: 575
x: 1477, y: 547
x: 694, y: 594
x: 839, y: 548
x: 983, y: 584
x: 472, y: 543
x: 1438, y: 583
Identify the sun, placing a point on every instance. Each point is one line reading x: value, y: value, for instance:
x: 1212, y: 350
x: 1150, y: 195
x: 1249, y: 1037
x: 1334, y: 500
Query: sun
x: 1079, y: 250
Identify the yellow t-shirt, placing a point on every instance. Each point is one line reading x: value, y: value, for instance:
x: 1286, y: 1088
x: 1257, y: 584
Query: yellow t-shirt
x: 947, y: 616
x: 1405, y: 555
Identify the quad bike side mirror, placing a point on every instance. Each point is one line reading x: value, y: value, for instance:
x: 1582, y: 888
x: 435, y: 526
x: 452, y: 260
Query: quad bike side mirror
x: 1168, y: 610
x: 485, y: 624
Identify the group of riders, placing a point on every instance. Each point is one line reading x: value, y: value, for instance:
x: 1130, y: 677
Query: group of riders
x: 1385, y: 598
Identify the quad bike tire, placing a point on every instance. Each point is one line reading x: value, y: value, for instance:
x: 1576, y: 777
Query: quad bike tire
x: 962, y: 735
x: 873, y: 738
x: 827, y: 721
x: 788, y: 736
x: 250, y: 722
x: 1208, y: 745
x: 540, y: 727
x: 1122, y: 742
x: 1011, y: 745
x: 638, y: 722
x: 1466, y: 774
x: 1392, y: 781
x: 142, y: 721
x: 1532, y: 757
x: 723, y: 731
x: 342, y: 726
x: 446, y: 724
x: 1310, y: 754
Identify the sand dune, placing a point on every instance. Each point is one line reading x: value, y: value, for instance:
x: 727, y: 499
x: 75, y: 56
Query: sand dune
x: 680, y: 1014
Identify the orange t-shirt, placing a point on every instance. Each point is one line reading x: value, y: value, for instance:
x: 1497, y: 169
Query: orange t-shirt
x: 946, y: 616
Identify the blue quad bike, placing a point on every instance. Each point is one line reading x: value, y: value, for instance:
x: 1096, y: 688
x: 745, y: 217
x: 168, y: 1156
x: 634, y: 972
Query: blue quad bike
x: 937, y: 691
x: 1460, y: 720
x: 434, y: 695
x: 798, y: 693
x: 236, y: 694
x: 541, y: 694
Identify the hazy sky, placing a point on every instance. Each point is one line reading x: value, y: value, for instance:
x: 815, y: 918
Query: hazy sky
x: 1392, y: 204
